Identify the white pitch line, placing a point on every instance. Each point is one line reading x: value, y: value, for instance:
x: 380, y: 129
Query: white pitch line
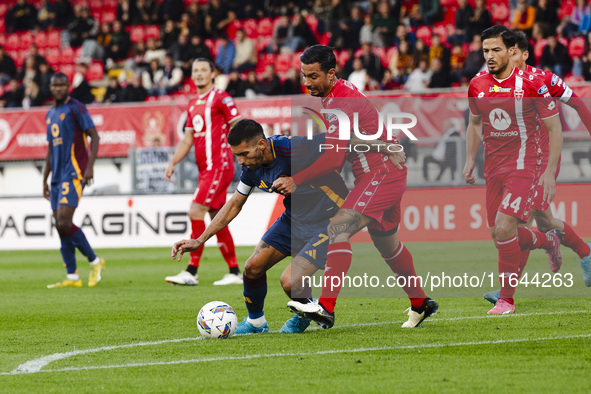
x: 36, y: 365
x: 307, y: 354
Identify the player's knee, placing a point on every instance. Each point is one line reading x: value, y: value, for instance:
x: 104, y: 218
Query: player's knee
x: 63, y: 226
x: 337, y: 232
x: 286, y: 282
x: 252, y: 270
x: 504, y: 231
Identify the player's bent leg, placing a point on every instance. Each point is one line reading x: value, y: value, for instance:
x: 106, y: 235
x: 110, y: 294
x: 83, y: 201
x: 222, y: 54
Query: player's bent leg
x: 263, y: 258
x: 509, y: 254
x: 228, y: 250
x: 63, y: 220
x: 295, y: 281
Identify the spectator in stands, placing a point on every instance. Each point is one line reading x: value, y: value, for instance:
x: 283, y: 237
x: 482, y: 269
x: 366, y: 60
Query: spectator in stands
x: 370, y: 84
x: 148, y: 78
x: 127, y: 11
x: 64, y: 13
x: 82, y: 91
x: 170, y: 10
x: 463, y: 15
x: 587, y: 66
x: 199, y: 49
x: 134, y: 92
x: 220, y: 80
x: 371, y: 62
x: 440, y: 78
x: 28, y: 71
x: 45, y: 15
x: 299, y: 34
x: 186, y: 25
x: 228, y: 24
x: 97, y: 48
x: 169, y: 78
x: 421, y: 52
x: 456, y: 62
x: 474, y: 61
x: 439, y: 51
x: 138, y: 56
x: 113, y: 93
x: 479, y: 21
x: 366, y: 31
x: 147, y: 12
x: 42, y: 79
x: 153, y: 52
x: 346, y: 34
x: 32, y: 97
x: 428, y: 12
x: 419, y: 79
x: 384, y: 26
x: 293, y: 83
x: 357, y: 77
x: 179, y: 50
x: 270, y: 84
x: 226, y: 54
x: 236, y: 86
x: 279, y: 35
x: 82, y: 28
x: 246, y: 54
x: 13, y: 95
x: 585, y: 25
x: 197, y: 16
x: 34, y: 53
x: 547, y: 13
x: 169, y: 35
x: 404, y: 34
x: 250, y: 85
x: 21, y: 17
x: 444, y: 154
x: 576, y: 16
x: 7, y: 67
x: 216, y: 12
x: 348, y: 66
x: 555, y: 58
x: 388, y: 81
x: 402, y: 63
x: 524, y: 18
x: 120, y: 43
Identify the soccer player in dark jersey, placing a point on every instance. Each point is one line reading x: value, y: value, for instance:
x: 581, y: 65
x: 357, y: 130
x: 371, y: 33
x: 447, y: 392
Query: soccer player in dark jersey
x: 210, y: 115
x: 374, y: 201
x: 68, y: 126
x: 541, y: 211
x: 299, y: 232
x: 506, y: 106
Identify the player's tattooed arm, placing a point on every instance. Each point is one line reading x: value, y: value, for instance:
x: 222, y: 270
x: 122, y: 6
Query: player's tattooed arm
x: 346, y: 223
x: 228, y: 212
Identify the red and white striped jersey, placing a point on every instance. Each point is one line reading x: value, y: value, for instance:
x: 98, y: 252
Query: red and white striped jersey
x: 209, y: 116
x: 511, y: 110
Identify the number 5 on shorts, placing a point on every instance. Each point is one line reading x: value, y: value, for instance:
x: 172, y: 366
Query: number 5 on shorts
x: 65, y: 188
x: 507, y: 202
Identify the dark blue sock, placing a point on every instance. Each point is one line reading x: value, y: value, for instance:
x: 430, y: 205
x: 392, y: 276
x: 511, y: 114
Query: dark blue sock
x: 82, y: 244
x: 255, y: 291
x: 68, y: 253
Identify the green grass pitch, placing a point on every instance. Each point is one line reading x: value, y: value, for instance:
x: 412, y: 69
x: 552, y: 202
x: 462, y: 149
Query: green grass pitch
x: 136, y: 333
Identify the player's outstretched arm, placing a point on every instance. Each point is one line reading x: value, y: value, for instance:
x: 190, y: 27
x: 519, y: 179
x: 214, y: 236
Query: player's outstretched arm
x: 229, y: 211
x: 94, y: 146
x: 395, y: 152
x: 473, y: 139
x: 181, y: 151
x: 46, y: 171
x: 579, y: 105
x: 548, y: 178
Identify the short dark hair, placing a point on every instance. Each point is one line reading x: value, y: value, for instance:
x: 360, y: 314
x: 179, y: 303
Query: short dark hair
x: 522, y: 41
x: 204, y: 59
x: 245, y: 130
x: 508, y: 36
x: 60, y: 75
x: 320, y: 54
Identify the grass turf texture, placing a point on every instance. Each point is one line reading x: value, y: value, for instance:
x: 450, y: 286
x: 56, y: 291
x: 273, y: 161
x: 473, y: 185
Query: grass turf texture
x: 133, y: 304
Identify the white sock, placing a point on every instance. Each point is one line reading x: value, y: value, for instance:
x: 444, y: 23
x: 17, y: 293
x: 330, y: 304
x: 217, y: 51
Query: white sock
x: 73, y: 276
x: 259, y: 321
x: 95, y: 261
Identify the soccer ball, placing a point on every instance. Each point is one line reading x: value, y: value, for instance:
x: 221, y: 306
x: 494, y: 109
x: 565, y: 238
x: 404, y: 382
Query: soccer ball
x: 217, y: 320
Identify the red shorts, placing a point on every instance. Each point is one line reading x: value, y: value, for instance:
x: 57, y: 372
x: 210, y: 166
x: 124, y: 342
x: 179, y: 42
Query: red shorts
x: 377, y: 196
x: 538, y: 200
x: 212, y: 188
x: 511, y: 194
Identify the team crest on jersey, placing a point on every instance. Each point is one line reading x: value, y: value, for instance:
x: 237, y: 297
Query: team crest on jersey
x: 555, y: 79
x: 543, y: 89
x: 227, y: 100
x: 48, y: 121
x: 62, y: 117
x: 518, y: 94
x: 498, y: 89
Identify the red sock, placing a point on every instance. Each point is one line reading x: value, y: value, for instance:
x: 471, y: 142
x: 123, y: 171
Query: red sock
x: 401, y: 264
x: 526, y: 240
x: 226, y: 245
x: 509, y: 257
x: 573, y: 241
x: 523, y: 261
x: 338, y: 261
x: 198, y: 227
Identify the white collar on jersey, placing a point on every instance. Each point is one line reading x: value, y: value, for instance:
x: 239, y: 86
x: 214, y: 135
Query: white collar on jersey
x: 206, y: 93
x: 502, y: 80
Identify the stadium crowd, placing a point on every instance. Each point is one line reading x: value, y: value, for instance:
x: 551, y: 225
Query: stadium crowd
x: 137, y: 50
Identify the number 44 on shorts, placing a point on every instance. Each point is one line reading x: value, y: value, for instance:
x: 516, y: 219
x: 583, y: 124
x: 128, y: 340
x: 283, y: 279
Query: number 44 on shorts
x: 507, y: 202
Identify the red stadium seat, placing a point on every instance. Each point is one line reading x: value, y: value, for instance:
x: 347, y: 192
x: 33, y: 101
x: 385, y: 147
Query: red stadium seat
x: 566, y: 8
x: 19, y: 59
x: 41, y: 39
x: 2, y: 25
x: 265, y: 60
x: 109, y: 16
x: 53, y: 39
x: 424, y: 33
x: 343, y: 57
x: 296, y: 62
x: 12, y: 42
x: 25, y: 40
x: 381, y: 52
x: 312, y: 22
x: 2, y: 39
x: 265, y: 27
x: 68, y: 69
x: 250, y: 28
x: 3, y: 9
x: 95, y: 72
x: 283, y: 62
x: 324, y: 39
x: 441, y: 30
x: 539, y: 49
x: 390, y: 54
x: 111, y: 4
x: 262, y: 43
x: 153, y: 31
x: 576, y: 48
x: 499, y: 13
x: 67, y: 56
x: 53, y: 56
x: 137, y: 33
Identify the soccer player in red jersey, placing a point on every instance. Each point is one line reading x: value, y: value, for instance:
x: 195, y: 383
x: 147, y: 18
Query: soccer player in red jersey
x: 210, y: 116
x: 541, y: 211
x: 374, y: 201
x: 506, y: 104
